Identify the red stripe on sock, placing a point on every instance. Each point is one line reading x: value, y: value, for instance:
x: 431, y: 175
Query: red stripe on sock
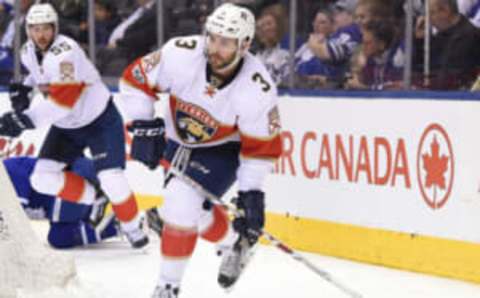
x: 219, y: 226
x: 127, y: 210
x: 73, y: 188
x: 178, y: 243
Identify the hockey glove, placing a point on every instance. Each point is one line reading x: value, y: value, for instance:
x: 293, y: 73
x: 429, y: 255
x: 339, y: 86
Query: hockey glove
x: 12, y: 124
x: 20, y: 96
x: 148, y: 141
x: 252, y: 204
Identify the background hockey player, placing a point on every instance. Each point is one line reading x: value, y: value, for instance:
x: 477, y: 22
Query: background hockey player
x: 83, y: 115
x: 222, y: 125
x: 70, y: 223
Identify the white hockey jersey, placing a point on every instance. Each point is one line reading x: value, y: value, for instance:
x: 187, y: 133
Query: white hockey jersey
x: 198, y: 114
x: 74, y: 92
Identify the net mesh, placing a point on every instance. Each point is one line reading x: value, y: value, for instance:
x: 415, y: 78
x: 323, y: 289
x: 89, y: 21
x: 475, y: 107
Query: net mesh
x: 26, y: 263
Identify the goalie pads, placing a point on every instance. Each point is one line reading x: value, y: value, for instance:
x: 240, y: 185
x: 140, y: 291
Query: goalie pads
x: 148, y: 141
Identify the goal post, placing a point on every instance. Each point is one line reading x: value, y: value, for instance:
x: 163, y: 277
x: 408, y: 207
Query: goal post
x: 25, y: 262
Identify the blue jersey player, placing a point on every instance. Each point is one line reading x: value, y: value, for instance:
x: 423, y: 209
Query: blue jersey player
x: 70, y: 223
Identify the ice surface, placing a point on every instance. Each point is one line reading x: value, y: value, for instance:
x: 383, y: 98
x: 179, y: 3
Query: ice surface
x: 113, y: 269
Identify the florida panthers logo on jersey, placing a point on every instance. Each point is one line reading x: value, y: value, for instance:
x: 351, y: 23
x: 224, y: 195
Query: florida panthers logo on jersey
x: 194, y: 124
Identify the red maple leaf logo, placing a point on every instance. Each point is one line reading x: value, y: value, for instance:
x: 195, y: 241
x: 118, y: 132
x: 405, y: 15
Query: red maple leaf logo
x: 435, y: 166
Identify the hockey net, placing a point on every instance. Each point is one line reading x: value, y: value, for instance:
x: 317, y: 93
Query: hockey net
x: 26, y: 264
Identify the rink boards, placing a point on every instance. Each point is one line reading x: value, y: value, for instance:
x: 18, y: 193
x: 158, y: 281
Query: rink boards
x: 386, y: 181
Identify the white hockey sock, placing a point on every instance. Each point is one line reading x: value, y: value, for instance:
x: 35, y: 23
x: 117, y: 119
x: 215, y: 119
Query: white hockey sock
x: 132, y: 224
x: 172, y: 271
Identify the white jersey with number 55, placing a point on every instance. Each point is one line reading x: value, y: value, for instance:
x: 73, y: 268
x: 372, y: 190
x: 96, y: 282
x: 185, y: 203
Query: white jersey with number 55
x: 74, y: 92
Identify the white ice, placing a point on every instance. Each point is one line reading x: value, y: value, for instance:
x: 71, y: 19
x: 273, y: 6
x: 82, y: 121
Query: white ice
x: 113, y: 269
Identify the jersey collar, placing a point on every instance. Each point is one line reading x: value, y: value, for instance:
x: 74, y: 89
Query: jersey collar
x: 217, y: 81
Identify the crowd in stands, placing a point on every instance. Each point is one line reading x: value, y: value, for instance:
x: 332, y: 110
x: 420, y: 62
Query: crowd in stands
x: 340, y: 44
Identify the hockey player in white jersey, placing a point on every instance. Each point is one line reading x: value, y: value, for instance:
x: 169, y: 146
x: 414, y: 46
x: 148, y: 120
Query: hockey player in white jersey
x: 221, y: 125
x: 82, y: 114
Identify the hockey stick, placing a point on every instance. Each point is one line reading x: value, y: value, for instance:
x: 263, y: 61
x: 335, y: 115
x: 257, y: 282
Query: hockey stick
x: 298, y: 257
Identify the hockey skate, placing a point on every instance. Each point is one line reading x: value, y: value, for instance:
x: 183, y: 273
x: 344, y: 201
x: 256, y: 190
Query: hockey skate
x: 154, y: 221
x: 166, y: 291
x: 137, y: 236
x: 234, y: 261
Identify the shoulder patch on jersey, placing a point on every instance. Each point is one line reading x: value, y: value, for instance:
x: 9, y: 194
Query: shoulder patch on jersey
x: 67, y: 71
x: 151, y: 60
x: 274, y: 125
x: 137, y: 74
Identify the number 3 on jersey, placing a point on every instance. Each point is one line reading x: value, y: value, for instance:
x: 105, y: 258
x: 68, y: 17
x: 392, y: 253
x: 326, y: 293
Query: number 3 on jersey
x: 189, y: 44
x: 257, y: 77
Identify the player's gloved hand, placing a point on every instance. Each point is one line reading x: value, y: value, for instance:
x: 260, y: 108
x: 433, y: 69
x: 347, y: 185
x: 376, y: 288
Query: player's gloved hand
x: 252, y: 204
x: 12, y: 124
x: 20, y: 96
x: 148, y: 141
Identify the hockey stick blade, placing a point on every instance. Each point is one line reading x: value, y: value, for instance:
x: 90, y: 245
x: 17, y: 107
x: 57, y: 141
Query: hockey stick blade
x: 322, y: 273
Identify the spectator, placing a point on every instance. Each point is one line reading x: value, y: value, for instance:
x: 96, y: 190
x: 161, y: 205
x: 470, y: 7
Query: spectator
x: 454, y: 51
x: 106, y: 18
x: 72, y: 18
x: 339, y: 47
x: 381, y: 69
x: 323, y: 23
x: 333, y: 51
x: 312, y: 71
x: 269, y: 33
